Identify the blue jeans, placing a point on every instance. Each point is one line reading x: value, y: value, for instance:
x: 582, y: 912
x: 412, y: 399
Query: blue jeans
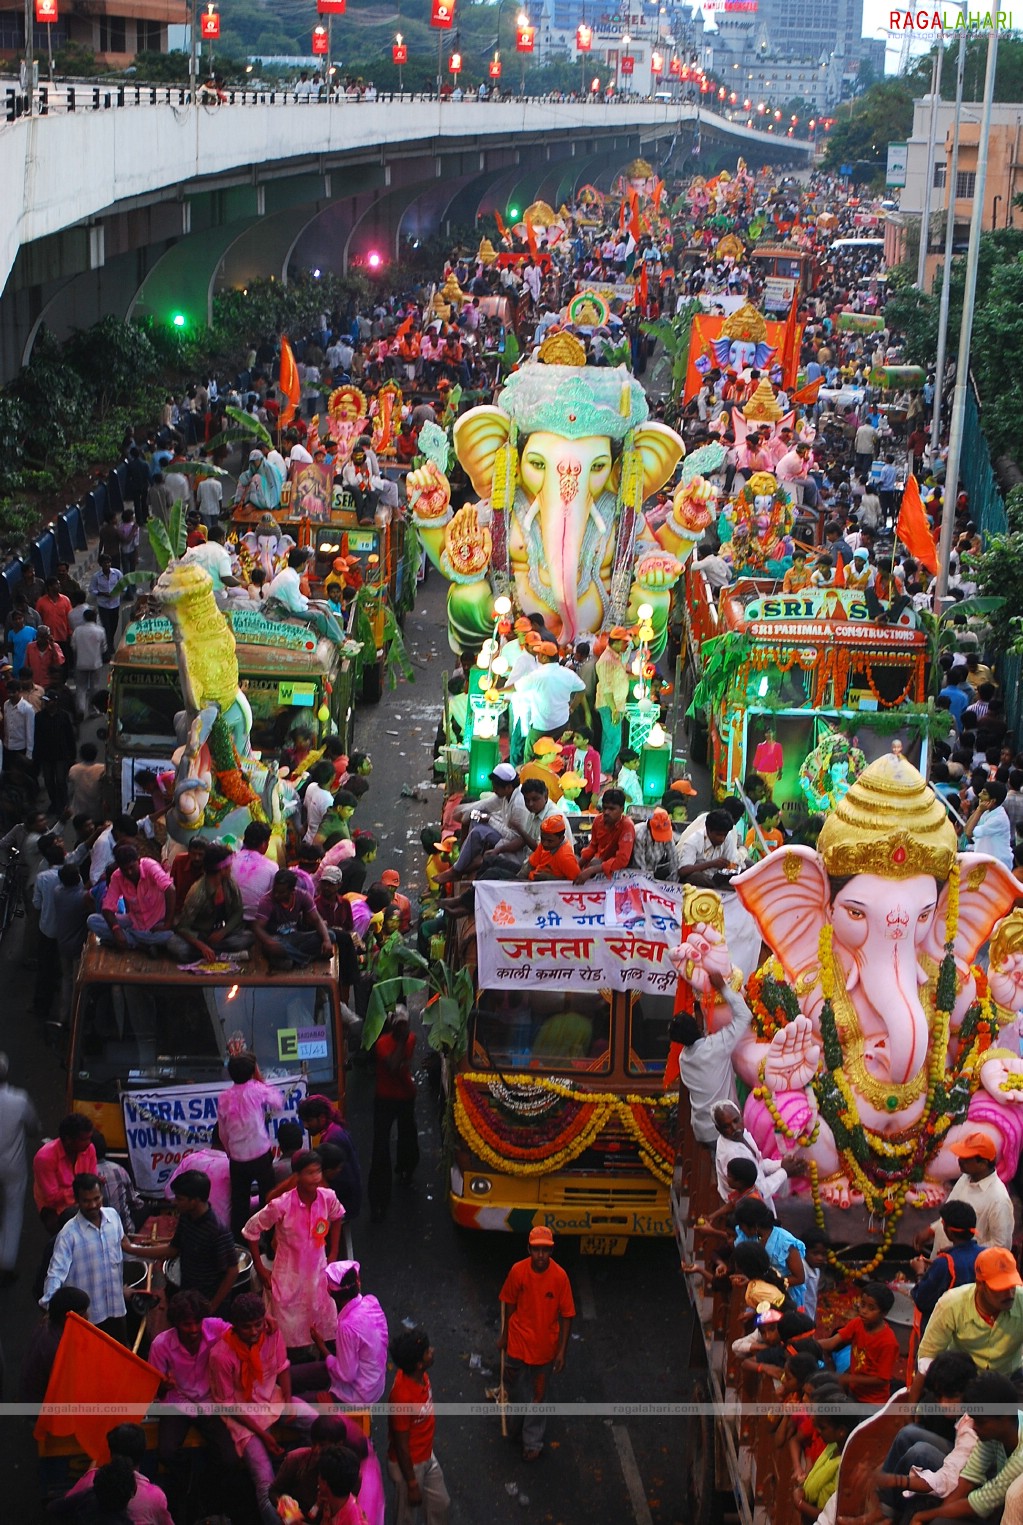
x: 175, y: 946
x: 610, y: 740
x: 913, y: 1446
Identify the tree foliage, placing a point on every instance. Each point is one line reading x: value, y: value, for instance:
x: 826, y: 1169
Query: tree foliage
x: 999, y: 574
x: 1008, y: 72
x: 860, y: 137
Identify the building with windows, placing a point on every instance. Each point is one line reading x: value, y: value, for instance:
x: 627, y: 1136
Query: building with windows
x: 100, y: 26
x: 1004, y: 177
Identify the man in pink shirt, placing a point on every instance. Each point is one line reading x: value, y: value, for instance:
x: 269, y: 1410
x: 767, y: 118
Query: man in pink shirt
x: 149, y: 1504
x: 780, y: 445
x: 795, y: 467
x: 181, y: 1354
x: 752, y: 456
x: 252, y: 870
x: 57, y: 1163
x: 147, y: 920
x: 250, y: 1374
x: 241, y: 1122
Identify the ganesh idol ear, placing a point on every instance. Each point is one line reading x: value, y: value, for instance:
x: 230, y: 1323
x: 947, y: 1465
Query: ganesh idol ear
x: 987, y: 892
x: 660, y: 450
x: 787, y: 895
x: 478, y: 435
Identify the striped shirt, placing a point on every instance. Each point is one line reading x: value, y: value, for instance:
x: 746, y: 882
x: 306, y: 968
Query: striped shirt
x: 89, y: 1255
x: 990, y: 1465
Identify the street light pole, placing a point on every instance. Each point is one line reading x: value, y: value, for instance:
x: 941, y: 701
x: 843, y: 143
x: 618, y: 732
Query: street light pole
x: 946, y: 273
x: 955, y: 436
x: 925, y: 216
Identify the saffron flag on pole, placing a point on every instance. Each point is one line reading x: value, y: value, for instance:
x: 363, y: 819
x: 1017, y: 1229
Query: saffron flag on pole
x: 911, y: 527
x: 531, y: 241
x: 92, y: 1368
x: 641, y: 294
x: 290, y: 386
x: 789, y: 358
x: 808, y: 394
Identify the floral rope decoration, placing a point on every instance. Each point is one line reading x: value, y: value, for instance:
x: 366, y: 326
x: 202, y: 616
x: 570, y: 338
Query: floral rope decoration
x: 535, y: 1125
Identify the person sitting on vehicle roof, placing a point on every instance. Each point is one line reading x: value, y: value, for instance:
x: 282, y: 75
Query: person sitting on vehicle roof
x: 147, y: 893
x: 212, y: 918
x: 286, y: 592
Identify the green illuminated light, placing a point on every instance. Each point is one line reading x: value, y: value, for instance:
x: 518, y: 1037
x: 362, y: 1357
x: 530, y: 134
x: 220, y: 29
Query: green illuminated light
x: 178, y: 320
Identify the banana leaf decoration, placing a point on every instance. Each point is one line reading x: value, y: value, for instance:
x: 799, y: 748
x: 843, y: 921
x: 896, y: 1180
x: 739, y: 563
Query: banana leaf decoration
x: 245, y: 427
x: 723, y: 657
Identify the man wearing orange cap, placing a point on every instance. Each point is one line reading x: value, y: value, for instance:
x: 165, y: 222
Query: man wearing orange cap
x: 612, y: 693
x: 979, y: 1185
x: 391, y: 880
x: 555, y: 857
x: 536, y: 1320
x: 523, y: 661
x: 983, y: 1320
x: 654, y: 851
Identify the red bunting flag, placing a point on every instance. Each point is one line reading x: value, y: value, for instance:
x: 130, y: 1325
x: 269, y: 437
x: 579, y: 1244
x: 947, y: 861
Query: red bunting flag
x: 911, y: 527
x: 289, y: 384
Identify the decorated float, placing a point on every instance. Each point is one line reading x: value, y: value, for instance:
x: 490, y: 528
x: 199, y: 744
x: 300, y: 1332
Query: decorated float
x: 877, y: 1041
x: 562, y: 468
x: 773, y: 674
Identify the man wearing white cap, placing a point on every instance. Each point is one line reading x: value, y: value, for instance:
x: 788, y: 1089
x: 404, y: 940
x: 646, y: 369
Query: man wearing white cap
x: 357, y: 1373
x: 536, y: 1320
x: 489, y: 815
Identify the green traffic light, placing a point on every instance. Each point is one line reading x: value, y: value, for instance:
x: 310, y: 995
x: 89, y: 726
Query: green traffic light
x: 178, y: 320
x: 513, y: 212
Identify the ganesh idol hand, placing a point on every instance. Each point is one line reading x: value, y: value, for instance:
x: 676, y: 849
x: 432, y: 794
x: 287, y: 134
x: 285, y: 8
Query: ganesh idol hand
x: 702, y: 956
x: 793, y: 1057
x: 428, y: 490
x: 1006, y: 981
x: 1003, y: 1079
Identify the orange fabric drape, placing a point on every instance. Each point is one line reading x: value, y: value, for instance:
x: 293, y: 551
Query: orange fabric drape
x: 91, y: 1367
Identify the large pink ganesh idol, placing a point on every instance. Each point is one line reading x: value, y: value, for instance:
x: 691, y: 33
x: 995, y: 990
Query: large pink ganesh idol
x: 876, y: 1042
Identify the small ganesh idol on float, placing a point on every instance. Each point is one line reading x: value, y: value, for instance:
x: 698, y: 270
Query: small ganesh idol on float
x: 876, y: 1042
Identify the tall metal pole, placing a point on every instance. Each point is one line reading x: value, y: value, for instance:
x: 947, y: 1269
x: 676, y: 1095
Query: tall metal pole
x: 193, y: 62
x: 955, y: 436
x: 925, y: 216
x: 946, y: 273
x: 29, y: 40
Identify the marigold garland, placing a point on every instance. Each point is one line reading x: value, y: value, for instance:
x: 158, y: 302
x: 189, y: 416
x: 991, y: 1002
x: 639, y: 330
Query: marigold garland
x: 498, y: 1140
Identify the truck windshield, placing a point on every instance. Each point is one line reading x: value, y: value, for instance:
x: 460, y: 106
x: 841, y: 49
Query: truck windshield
x: 544, y: 1030
x: 649, y: 1019
x: 144, y: 708
x: 181, y: 1032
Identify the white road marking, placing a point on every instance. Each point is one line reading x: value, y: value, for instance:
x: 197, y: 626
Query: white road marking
x: 630, y: 1471
x: 584, y: 1287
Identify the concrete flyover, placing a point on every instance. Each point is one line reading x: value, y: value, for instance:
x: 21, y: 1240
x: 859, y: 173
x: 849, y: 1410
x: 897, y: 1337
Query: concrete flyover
x: 138, y: 202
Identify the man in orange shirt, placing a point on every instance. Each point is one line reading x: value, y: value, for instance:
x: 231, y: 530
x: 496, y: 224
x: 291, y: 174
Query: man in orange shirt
x: 612, y: 838
x: 554, y: 857
x: 416, y: 1472
x: 536, y: 1319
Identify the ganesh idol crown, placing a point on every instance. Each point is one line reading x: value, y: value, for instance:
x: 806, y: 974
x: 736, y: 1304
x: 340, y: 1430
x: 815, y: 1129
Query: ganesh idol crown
x: 877, y: 1043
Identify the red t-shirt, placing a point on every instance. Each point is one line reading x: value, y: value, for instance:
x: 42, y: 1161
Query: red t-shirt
x: 875, y: 1353
x: 539, y: 1300
x: 419, y: 1425
x: 395, y: 1085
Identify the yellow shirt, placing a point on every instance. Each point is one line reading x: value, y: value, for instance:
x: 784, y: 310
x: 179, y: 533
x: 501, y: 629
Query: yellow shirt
x: 956, y: 1324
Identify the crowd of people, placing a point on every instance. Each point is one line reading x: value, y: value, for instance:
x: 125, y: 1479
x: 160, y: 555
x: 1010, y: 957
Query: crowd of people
x: 260, y: 1332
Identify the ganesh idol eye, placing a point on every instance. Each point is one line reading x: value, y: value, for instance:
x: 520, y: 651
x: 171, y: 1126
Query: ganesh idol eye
x: 855, y: 912
x: 536, y: 463
x: 603, y: 464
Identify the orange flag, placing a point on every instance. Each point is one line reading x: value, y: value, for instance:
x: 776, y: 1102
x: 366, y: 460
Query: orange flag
x: 634, y: 227
x: 531, y: 240
x: 92, y: 1368
x: 403, y: 328
x: 658, y: 192
x: 839, y: 572
x: 808, y: 394
x: 641, y: 294
x: 621, y: 218
x: 500, y: 224
x: 911, y: 527
x: 789, y: 357
x: 289, y: 384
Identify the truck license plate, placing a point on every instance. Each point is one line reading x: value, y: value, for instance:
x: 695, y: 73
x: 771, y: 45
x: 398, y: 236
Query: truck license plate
x: 603, y: 1244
